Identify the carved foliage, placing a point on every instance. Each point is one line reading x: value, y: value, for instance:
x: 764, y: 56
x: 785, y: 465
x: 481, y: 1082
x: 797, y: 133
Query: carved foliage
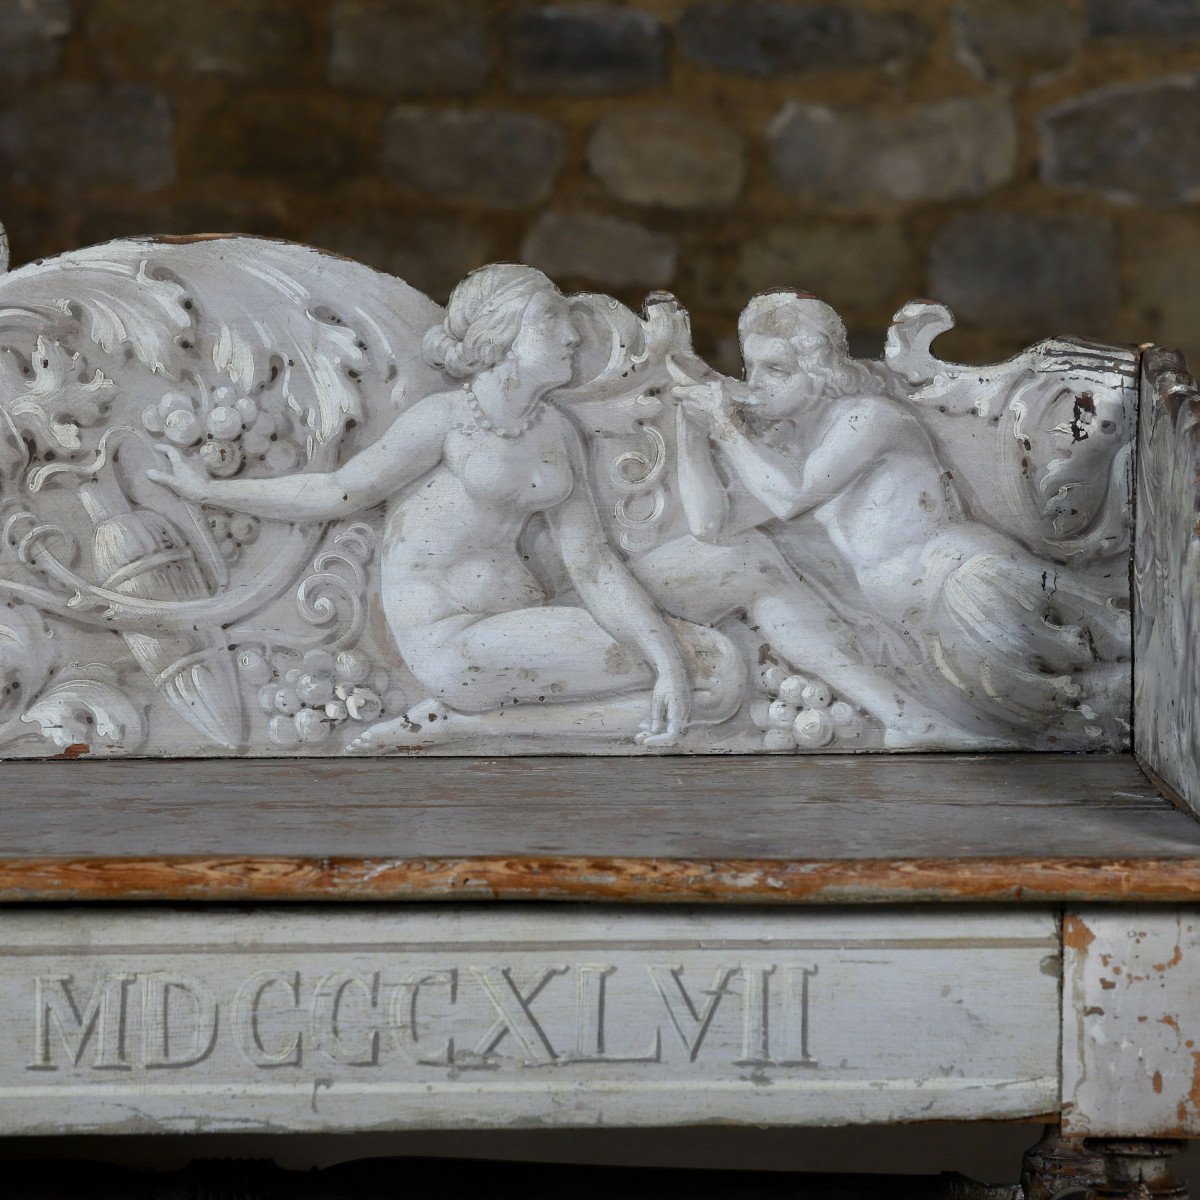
x: 224, y: 630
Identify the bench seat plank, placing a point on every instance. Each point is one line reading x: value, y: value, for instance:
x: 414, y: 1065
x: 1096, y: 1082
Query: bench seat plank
x: 776, y: 830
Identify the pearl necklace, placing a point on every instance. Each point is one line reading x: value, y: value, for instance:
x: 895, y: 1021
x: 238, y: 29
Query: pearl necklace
x: 488, y: 426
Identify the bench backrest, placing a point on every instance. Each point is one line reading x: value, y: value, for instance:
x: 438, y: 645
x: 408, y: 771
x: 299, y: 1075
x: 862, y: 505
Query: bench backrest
x: 258, y: 499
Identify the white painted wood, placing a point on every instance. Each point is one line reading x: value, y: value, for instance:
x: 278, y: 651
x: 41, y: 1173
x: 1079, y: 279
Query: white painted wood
x: 1131, y: 1022
x: 257, y: 498
x: 440, y: 1017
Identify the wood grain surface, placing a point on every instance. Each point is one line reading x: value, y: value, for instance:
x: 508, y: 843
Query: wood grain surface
x: 825, y: 829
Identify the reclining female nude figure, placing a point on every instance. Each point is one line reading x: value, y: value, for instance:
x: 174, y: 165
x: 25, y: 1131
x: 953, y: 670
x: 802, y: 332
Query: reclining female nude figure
x: 462, y: 473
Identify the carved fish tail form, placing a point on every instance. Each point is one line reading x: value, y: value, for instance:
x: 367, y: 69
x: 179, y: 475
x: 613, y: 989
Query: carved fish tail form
x: 1025, y: 659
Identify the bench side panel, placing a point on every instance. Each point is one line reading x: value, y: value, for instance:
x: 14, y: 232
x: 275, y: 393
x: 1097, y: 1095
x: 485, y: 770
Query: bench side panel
x: 1167, y: 576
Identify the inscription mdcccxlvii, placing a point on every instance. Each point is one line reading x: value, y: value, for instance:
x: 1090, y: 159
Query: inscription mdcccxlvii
x: 458, y: 1018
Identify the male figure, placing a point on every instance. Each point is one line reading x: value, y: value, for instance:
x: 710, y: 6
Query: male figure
x: 812, y: 619
x: 855, y: 477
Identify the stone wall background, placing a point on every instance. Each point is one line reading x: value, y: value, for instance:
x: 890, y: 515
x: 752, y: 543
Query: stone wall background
x: 1033, y: 163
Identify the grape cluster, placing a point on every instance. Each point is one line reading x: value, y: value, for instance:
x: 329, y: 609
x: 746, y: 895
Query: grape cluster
x: 229, y: 429
x: 232, y: 531
x: 802, y: 713
x: 305, y: 704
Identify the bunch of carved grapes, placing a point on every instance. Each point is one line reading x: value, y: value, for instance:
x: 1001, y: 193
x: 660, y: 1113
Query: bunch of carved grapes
x: 229, y: 429
x: 801, y: 713
x: 306, y: 704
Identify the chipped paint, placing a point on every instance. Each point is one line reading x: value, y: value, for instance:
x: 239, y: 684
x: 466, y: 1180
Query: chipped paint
x: 1131, y: 1022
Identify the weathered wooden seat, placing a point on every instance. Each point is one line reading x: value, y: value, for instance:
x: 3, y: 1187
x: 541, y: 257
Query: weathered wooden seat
x: 317, y: 592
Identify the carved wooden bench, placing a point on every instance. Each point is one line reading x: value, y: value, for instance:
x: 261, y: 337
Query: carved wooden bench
x: 315, y: 591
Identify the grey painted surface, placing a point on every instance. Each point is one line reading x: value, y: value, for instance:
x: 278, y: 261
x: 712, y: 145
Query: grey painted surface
x: 437, y: 1017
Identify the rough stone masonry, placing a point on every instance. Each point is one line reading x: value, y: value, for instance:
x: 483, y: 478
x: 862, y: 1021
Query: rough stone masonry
x: 1034, y: 163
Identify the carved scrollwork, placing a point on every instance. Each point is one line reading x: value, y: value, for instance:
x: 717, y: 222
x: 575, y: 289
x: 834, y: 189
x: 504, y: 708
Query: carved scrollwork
x: 335, y: 592
x: 291, y: 505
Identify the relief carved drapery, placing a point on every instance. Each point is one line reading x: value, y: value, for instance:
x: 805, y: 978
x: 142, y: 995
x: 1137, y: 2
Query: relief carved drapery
x: 255, y: 498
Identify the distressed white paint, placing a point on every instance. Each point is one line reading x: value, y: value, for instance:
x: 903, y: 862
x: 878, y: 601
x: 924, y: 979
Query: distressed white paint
x: 1167, y: 575
x: 260, y: 499
x: 1131, y: 1024
x: 445, y: 1017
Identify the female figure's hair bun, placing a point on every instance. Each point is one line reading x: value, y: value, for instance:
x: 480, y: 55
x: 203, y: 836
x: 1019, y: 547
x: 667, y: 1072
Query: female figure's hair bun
x: 483, y: 319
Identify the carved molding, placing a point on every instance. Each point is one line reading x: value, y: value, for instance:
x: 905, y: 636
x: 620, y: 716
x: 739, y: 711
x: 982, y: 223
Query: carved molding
x: 258, y: 499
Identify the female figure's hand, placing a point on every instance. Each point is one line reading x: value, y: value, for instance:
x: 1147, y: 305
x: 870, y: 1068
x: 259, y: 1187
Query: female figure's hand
x: 670, y: 706
x: 184, y: 478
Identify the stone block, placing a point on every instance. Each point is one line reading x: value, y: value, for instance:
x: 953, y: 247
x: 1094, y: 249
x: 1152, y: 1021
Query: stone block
x: 1007, y: 38
x: 585, y: 49
x: 856, y: 267
x: 498, y: 159
x: 389, y: 48
x: 1026, y: 273
x: 1135, y: 18
x: 251, y: 39
x: 429, y: 253
x: 300, y: 139
x: 75, y: 135
x: 604, y: 251
x: 667, y: 158
x: 31, y: 36
x: 958, y: 148
x: 1139, y: 143
x: 767, y: 38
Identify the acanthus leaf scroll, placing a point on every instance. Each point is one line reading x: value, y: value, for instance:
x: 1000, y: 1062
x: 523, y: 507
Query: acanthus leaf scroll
x: 256, y: 499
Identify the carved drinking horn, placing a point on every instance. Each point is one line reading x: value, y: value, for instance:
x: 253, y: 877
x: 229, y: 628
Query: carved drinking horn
x: 145, y: 554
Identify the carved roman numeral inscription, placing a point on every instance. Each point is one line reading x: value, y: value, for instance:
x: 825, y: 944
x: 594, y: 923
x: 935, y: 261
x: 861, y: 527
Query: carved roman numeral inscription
x: 477, y: 1016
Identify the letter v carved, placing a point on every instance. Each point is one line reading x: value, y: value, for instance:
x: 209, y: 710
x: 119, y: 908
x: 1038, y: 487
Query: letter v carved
x: 690, y: 1023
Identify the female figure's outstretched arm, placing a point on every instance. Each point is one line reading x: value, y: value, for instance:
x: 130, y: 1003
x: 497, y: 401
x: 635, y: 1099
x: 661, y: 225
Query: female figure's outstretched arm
x: 619, y: 604
x: 411, y: 447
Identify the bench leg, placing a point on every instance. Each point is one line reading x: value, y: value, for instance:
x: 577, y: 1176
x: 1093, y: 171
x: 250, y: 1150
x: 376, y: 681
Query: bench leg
x: 1058, y: 1166
x: 1137, y: 1170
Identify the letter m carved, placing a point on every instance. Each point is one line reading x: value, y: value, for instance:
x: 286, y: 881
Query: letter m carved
x: 102, y: 1017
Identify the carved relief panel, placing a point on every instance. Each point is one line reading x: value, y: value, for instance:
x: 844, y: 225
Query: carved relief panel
x: 257, y: 499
